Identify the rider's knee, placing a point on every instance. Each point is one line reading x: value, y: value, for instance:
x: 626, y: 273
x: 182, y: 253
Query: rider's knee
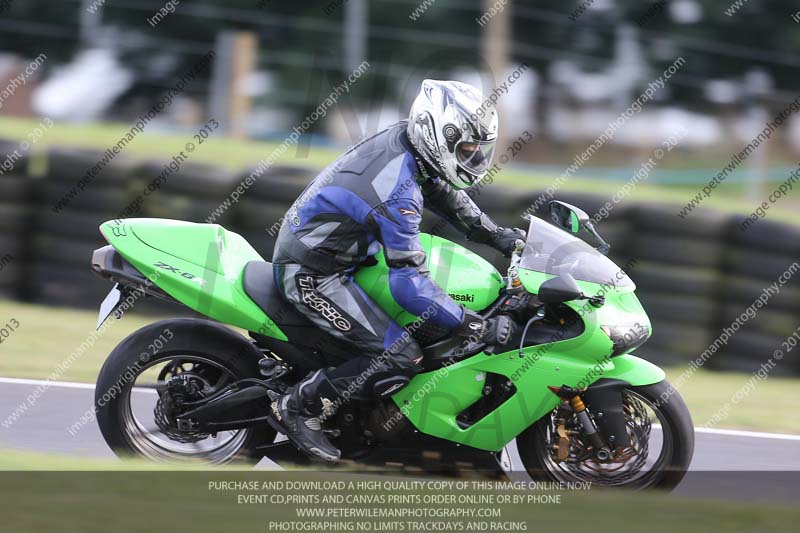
x: 409, y: 358
x: 405, y: 364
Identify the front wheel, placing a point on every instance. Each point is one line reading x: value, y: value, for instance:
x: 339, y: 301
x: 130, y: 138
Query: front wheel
x: 136, y: 414
x: 662, y: 444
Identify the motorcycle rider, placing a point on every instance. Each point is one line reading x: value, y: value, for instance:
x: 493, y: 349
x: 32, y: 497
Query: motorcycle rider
x: 372, y: 197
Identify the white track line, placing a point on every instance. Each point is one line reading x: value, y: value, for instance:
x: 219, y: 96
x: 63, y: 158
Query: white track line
x: 47, y: 383
x: 752, y: 434
x: 62, y: 384
x: 713, y: 431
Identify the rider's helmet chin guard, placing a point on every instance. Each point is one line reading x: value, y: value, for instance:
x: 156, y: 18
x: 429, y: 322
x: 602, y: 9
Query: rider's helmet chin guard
x: 453, y: 132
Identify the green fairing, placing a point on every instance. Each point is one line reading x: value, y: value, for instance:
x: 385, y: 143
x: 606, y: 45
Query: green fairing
x: 434, y: 399
x: 201, y: 266
x: 467, y: 277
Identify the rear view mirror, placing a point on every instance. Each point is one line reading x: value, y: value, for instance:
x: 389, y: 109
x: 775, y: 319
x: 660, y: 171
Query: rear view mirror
x: 559, y: 290
x: 572, y: 219
x: 568, y: 217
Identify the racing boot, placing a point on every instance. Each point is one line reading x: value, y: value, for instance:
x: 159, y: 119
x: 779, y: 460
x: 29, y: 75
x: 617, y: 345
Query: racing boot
x: 300, y: 413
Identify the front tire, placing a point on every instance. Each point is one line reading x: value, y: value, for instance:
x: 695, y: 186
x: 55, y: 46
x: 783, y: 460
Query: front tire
x: 186, y: 345
x: 666, y: 407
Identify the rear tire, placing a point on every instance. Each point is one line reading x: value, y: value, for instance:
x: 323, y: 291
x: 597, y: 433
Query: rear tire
x: 134, y: 355
x: 674, y: 419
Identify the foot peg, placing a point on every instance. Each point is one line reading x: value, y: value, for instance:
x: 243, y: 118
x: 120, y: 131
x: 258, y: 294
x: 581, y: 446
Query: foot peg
x: 271, y: 369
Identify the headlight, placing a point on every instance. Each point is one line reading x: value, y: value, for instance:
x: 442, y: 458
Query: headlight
x: 627, y: 337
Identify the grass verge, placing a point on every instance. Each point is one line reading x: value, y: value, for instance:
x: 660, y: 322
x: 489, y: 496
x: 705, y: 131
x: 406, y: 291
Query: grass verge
x: 125, y: 501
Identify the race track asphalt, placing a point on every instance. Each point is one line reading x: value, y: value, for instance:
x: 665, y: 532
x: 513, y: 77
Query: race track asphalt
x: 729, y: 465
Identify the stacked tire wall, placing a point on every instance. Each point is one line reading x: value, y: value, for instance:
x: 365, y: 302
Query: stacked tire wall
x: 15, y: 219
x: 64, y: 232
x: 695, y: 276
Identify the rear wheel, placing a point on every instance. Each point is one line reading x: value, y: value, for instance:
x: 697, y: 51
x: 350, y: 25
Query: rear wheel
x: 136, y: 411
x: 662, y: 444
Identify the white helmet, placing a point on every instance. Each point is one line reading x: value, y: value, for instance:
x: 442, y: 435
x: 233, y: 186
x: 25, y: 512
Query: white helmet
x: 453, y: 131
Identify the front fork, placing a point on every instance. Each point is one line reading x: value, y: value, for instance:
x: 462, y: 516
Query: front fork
x: 573, y: 403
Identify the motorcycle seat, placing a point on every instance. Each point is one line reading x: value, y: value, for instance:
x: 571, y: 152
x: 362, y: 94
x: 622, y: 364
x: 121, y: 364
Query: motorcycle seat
x: 258, y: 282
x: 305, y: 339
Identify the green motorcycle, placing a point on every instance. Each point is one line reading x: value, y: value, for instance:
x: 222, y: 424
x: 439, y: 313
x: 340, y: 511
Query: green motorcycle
x: 566, y: 398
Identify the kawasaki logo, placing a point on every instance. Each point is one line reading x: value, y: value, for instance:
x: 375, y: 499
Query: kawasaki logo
x: 462, y: 297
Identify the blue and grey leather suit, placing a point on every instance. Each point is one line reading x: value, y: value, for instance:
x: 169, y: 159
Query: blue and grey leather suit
x: 371, y: 197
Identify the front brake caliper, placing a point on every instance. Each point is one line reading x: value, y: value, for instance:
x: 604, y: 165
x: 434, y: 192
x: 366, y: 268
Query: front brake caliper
x: 573, y: 396
x: 562, y: 448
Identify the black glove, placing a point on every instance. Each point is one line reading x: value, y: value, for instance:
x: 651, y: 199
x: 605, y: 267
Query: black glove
x: 504, y: 238
x: 496, y: 330
x: 499, y: 330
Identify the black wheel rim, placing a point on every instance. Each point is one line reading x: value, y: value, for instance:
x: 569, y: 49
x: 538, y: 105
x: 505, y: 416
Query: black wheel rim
x: 151, y: 442
x: 645, y: 463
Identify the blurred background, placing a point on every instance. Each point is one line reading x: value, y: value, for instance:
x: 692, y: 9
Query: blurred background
x: 644, y: 103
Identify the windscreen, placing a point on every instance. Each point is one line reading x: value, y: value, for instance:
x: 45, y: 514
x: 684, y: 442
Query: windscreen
x: 554, y: 251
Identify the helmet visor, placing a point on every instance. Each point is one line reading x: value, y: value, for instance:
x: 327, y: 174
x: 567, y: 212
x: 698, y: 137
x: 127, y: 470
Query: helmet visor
x: 475, y: 157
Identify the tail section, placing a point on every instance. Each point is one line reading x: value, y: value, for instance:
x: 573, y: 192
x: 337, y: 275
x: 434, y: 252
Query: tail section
x: 199, y: 265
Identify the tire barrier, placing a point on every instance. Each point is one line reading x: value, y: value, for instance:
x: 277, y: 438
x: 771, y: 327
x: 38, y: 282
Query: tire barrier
x: 652, y: 276
x: 15, y: 220
x: 765, y: 236
x: 13, y: 159
x: 261, y: 209
x: 192, y: 192
x: 704, y: 225
x: 695, y: 276
x: 675, y: 343
x: 15, y: 189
